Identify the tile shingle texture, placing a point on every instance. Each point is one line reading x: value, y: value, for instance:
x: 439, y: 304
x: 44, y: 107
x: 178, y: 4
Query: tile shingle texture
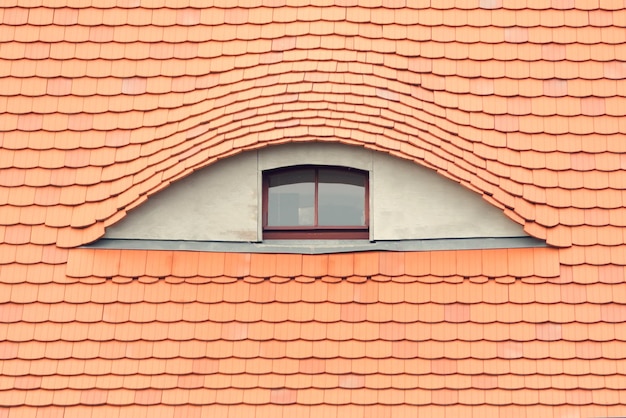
x: 105, y: 104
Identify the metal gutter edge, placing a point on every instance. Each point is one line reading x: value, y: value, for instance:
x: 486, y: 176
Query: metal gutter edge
x: 321, y: 246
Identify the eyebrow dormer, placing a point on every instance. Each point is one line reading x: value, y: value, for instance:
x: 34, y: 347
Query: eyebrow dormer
x: 231, y: 201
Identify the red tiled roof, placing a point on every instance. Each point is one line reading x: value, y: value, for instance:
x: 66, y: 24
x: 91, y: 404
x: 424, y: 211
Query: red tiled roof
x: 103, y: 105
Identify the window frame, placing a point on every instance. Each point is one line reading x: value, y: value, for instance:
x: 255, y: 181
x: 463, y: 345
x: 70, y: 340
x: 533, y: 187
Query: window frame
x: 307, y: 232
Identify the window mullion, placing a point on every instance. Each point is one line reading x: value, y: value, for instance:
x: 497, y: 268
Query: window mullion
x: 316, y: 208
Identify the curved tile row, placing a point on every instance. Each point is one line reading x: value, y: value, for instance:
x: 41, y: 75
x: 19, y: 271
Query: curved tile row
x: 309, y: 376
x: 317, y: 379
x: 509, y: 374
x: 522, y: 262
x: 233, y: 399
x: 402, y: 15
x: 286, y: 290
x: 584, y: 266
x: 435, y: 55
x: 596, y: 333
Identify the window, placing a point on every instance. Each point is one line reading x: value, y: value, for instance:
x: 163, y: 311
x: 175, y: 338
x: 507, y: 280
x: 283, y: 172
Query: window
x: 315, y: 202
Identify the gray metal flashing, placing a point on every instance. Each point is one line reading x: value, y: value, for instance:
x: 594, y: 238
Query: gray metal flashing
x: 320, y: 246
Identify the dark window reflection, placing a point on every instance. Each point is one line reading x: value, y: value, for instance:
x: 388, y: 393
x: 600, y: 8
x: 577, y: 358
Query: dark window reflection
x: 291, y: 198
x: 340, y: 197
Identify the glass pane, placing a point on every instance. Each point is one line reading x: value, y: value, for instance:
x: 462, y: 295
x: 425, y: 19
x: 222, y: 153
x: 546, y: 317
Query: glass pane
x: 291, y: 198
x: 341, y: 198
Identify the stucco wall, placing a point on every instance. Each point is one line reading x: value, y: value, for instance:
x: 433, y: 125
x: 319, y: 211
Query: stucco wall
x: 218, y: 203
x: 222, y: 202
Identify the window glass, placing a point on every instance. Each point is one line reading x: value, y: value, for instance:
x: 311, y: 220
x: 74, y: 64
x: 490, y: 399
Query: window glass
x: 341, y: 198
x: 291, y: 198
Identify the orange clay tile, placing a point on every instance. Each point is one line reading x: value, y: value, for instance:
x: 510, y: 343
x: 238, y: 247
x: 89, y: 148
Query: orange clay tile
x: 518, y: 102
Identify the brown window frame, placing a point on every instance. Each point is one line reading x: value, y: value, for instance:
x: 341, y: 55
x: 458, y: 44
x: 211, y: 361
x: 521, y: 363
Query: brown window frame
x: 315, y: 231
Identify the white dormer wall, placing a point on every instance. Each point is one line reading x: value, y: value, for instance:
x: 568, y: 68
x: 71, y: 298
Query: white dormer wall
x: 222, y: 202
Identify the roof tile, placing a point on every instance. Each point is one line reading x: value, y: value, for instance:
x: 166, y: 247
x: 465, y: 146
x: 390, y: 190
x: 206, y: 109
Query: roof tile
x: 568, y: 191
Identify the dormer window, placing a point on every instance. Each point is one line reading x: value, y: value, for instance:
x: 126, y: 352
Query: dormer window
x: 315, y: 202
x: 328, y: 192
